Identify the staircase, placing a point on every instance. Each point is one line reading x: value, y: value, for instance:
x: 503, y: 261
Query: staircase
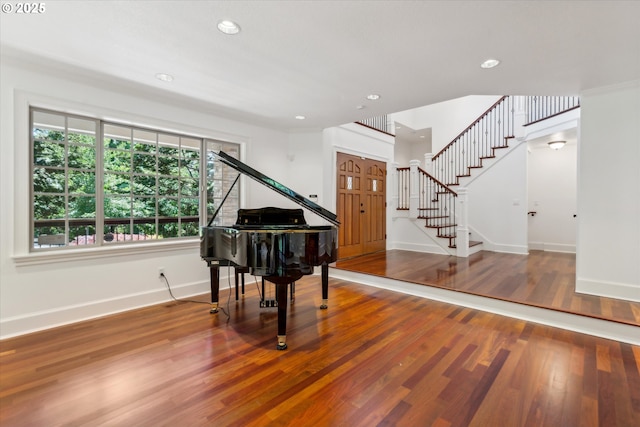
x: 431, y: 189
x: 436, y: 199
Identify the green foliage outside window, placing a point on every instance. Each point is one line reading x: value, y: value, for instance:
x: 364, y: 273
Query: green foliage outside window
x: 150, y: 190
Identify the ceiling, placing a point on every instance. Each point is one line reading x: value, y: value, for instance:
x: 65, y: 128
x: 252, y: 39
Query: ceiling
x: 321, y: 59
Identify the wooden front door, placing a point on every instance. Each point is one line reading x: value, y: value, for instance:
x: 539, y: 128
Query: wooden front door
x: 361, y: 205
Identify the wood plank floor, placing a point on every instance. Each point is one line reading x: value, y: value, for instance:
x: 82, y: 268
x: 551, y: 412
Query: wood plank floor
x: 374, y: 358
x: 541, y: 279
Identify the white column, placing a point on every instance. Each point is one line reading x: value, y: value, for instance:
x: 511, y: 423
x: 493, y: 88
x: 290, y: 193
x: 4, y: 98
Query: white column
x: 519, y: 116
x: 428, y: 163
x: 394, y: 190
x: 462, y: 219
x: 414, y: 188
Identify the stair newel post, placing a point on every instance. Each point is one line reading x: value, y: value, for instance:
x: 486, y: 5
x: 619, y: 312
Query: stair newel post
x: 414, y: 188
x: 462, y: 219
x: 428, y: 163
x: 519, y: 117
x: 394, y: 185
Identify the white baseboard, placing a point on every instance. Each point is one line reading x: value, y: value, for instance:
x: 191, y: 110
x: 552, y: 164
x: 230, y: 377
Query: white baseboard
x: 552, y: 247
x: 623, y: 291
x: 572, y: 322
x: 47, y: 319
x: 419, y: 247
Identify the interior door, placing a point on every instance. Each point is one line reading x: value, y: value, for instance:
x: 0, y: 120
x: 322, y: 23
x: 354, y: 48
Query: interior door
x: 361, y: 205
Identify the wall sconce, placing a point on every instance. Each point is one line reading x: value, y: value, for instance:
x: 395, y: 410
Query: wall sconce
x: 556, y: 145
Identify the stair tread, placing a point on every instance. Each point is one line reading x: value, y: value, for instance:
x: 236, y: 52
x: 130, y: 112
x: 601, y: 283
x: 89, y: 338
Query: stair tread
x: 472, y: 243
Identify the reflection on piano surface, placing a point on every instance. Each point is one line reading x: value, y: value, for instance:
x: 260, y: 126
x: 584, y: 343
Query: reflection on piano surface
x: 274, y: 243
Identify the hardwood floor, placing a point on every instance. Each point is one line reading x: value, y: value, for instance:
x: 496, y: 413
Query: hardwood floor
x: 541, y: 279
x: 374, y: 358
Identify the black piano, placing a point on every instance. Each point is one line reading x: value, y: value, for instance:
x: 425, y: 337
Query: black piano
x: 274, y: 243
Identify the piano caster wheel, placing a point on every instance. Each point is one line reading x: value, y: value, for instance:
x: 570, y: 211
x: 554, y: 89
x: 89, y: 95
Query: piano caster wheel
x: 282, y: 342
x: 324, y: 305
x: 214, y: 308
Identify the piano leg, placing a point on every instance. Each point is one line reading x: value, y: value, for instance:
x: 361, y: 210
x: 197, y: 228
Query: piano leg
x: 214, y: 272
x: 325, y: 286
x: 281, y: 297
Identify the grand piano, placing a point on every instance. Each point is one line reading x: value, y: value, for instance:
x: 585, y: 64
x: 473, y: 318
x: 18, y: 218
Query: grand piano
x: 274, y: 243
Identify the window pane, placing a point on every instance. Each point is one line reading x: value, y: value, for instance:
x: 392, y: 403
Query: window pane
x: 169, y: 229
x: 82, y: 157
x: 168, y: 186
x: 81, y: 131
x: 189, y: 229
x: 48, y: 207
x: 144, y: 185
x: 144, y: 207
x: 119, y: 161
x: 168, y: 165
x: 189, y: 187
x: 82, y: 182
x: 82, y: 207
x: 47, y: 180
x: 82, y: 235
x: 150, y: 181
x: 189, y: 207
x: 144, y: 163
x: 48, y: 126
x: 168, y: 207
x: 48, y: 153
x: 144, y: 231
x: 117, y: 137
x: 144, y: 141
x: 116, y: 184
x: 117, y: 207
x: 49, y: 237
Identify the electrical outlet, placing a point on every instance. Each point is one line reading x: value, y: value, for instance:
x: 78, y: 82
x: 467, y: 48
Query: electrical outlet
x: 160, y: 272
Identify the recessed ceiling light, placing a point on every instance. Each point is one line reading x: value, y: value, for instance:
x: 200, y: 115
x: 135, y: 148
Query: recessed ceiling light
x: 228, y: 27
x: 373, y: 96
x: 360, y: 107
x: 300, y: 117
x: 164, y: 77
x: 490, y: 63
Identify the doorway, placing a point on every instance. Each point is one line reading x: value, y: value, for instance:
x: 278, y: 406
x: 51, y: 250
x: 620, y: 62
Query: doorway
x: 361, y: 205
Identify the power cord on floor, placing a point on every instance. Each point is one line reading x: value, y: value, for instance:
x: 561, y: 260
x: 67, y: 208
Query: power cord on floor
x: 226, y: 312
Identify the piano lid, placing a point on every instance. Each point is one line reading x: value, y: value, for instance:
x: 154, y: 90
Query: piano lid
x: 277, y: 187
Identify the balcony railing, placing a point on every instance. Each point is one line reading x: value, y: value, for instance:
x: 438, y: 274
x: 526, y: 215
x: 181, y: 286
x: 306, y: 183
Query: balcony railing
x: 379, y: 123
x: 544, y: 107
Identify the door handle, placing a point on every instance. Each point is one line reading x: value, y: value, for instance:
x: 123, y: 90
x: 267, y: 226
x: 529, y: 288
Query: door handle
x: 361, y: 211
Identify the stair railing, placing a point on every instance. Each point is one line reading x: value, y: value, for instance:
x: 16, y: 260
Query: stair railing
x: 437, y: 205
x: 544, y: 107
x: 403, y: 176
x: 478, y: 141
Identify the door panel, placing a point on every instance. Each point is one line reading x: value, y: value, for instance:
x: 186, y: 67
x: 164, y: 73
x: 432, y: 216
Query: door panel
x: 361, y: 205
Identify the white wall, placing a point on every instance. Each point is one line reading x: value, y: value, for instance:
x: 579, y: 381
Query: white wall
x: 608, y: 246
x: 552, y: 188
x: 446, y: 119
x: 44, y: 290
x: 498, y: 202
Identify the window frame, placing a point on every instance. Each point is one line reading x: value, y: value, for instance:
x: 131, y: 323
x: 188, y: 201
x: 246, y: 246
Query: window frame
x: 197, y: 143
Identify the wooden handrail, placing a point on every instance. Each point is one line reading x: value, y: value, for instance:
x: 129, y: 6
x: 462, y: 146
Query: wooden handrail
x: 471, y: 125
x: 437, y: 181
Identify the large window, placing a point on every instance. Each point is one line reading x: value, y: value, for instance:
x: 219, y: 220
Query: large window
x: 97, y: 183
